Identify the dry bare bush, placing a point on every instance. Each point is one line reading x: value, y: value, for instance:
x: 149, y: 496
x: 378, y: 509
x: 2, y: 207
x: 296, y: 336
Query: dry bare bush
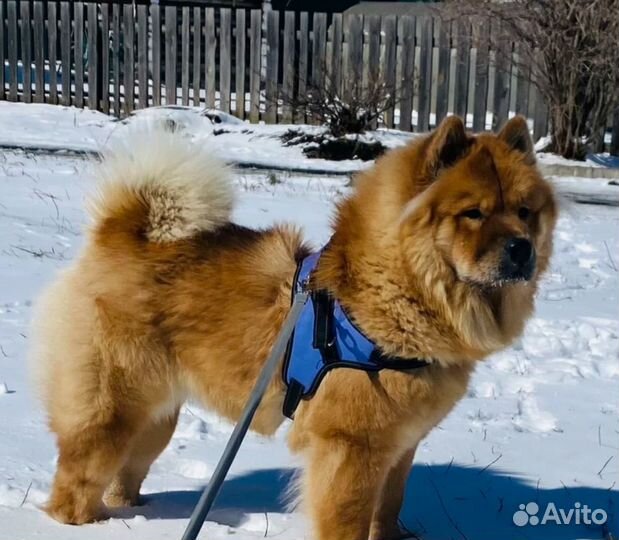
x: 352, y: 107
x: 572, y: 50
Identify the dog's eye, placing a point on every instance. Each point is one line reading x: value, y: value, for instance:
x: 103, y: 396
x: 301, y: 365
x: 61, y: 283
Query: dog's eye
x: 524, y: 212
x: 473, y: 213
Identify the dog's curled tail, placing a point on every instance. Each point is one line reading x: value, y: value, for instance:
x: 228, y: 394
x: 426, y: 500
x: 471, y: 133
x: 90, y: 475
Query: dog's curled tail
x: 160, y: 186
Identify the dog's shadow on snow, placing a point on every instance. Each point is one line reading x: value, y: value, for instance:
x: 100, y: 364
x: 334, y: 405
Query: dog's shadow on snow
x: 442, y: 502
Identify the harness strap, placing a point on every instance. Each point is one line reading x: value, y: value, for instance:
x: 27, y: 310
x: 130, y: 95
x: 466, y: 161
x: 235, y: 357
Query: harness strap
x: 325, y: 338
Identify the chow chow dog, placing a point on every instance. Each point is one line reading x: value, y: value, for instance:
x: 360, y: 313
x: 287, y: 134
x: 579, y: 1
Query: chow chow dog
x: 436, y: 254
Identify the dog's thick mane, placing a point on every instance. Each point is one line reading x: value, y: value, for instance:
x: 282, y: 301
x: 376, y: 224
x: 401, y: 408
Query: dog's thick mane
x: 369, y: 253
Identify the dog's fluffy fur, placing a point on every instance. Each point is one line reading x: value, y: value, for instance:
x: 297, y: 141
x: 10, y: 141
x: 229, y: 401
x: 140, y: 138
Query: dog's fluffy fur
x: 170, y: 300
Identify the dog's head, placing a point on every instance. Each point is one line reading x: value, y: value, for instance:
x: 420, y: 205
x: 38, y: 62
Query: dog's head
x: 484, y: 204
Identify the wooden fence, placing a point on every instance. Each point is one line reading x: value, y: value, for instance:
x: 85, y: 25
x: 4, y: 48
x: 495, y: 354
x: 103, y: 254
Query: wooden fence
x: 116, y: 58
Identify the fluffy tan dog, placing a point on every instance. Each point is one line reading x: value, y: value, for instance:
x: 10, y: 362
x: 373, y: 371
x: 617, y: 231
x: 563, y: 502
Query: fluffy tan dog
x: 436, y: 254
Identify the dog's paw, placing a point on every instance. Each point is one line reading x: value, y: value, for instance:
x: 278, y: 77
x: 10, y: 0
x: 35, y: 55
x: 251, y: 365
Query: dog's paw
x: 74, y: 514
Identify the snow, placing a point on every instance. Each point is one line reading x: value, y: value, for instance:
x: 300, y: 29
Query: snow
x: 42, y: 126
x: 540, y: 422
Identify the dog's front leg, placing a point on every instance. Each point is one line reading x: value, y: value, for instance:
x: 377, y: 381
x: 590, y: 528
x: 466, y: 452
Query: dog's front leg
x: 385, y: 521
x: 342, y: 484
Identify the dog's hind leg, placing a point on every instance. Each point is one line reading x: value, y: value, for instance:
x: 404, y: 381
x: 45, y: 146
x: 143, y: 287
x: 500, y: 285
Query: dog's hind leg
x: 385, y: 520
x: 125, y: 487
x: 341, y: 486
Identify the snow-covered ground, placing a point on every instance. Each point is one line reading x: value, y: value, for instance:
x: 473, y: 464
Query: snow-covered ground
x: 540, y: 423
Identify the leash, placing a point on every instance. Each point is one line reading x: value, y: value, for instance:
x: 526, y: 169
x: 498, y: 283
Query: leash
x: 211, y: 491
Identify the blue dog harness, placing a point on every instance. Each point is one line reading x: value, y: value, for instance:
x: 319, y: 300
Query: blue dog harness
x: 324, y: 338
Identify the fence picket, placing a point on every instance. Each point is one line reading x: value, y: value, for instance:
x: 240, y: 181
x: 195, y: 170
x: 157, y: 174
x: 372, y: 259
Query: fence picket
x: 406, y: 33
x: 116, y: 57
x: 389, y: 64
x: 128, y: 60
x: 614, y: 140
x: 26, y: 51
x: 354, y: 38
x: 272, y: 60
x: 105, y: 58
x: 52, y: 51
x: 225, y: 57
x: 303, y: 61
x: 170, y: 55
x: 335, y: 67
x: 481, y: 76
x: 444, y: 65
x: 185, y: 56
x: 78, y: 47
x: 540, y: 116
x: 2, y: 53
x: 143, y: 90
x: 319, y: 49
x: 197, y: 54
x: 425, y: 26
x: 209, y: 56
x: 39, y: 53
x: 65, y: 51
x: 255, y: 46
x: 93, y: 61
x: 523, y: 84
x: 239, y: 61
x: 463, y: 59
x: 155, y: 17
x: 288, y: 66
x: 502, y: 77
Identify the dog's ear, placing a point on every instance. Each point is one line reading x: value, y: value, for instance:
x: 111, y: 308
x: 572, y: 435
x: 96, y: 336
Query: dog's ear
x: 447, y: 144
x: 516, y: 134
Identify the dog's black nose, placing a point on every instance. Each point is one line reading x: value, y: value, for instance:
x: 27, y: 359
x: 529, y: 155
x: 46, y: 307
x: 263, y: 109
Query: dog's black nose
x: 519, y: 251
x: 518, y: 259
